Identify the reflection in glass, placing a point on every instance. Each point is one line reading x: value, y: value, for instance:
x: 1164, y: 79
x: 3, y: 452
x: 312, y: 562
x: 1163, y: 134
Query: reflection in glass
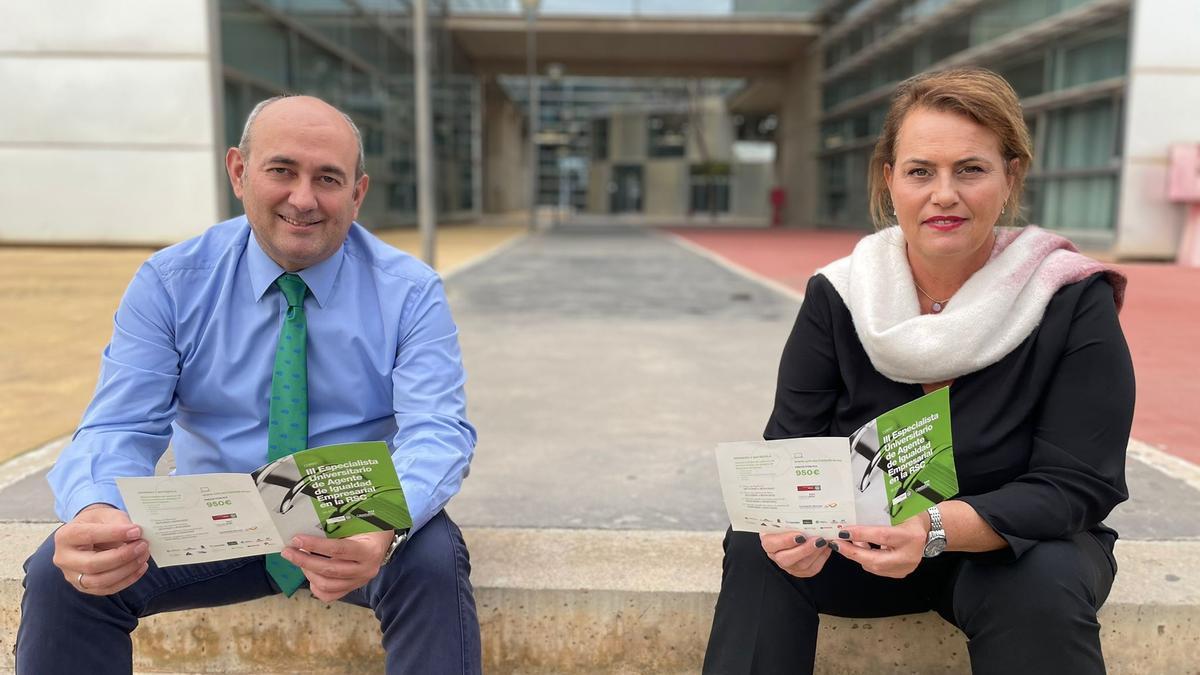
x: 356, y: 55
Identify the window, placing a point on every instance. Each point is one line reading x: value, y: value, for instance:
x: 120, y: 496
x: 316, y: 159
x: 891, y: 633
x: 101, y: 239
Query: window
x: 951, y: 39
x: 1081, y: 137
x: 1091, y: 62
x: 709, y: 188
x: 1083, y: 203
x: 255, y: 45
x: 667, y: 135
x: 600, y: 139
x: 755, y: 127
x: 1075, y: 187
x: 361, y: 62
x: 1027, y: 78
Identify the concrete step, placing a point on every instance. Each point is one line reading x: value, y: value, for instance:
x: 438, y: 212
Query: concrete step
x: 603, y: 601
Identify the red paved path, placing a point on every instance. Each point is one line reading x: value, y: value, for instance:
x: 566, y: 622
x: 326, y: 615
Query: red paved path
x: 1161, y: 320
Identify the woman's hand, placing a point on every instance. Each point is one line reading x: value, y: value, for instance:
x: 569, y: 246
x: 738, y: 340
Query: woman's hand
x: 901, y: 547
x: 795, y: 553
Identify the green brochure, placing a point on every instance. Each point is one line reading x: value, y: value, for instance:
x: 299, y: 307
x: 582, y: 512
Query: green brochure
x: 903, y: 460
x: 349, y: 488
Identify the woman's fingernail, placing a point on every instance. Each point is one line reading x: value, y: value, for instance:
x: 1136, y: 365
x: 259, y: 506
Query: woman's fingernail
x: 800, y: 539
x: 820, y: 542
x: 833, y: 546
x: 843, y: 535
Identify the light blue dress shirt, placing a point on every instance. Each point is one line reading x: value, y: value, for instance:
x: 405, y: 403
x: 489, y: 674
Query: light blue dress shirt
x: 192, y: 353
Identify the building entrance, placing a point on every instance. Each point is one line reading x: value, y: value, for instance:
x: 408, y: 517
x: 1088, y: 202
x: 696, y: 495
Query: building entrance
x: 625, y: 191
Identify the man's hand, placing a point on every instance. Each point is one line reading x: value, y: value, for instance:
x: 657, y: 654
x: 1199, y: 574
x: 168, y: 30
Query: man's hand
x: 796, y: 554
x: 100, y: 551
x: 335, y: 567
x: 901, y: 547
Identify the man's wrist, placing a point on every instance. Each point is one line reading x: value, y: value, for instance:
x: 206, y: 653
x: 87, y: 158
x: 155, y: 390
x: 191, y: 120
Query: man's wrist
x: 96, y: 494
x: 95, y: 505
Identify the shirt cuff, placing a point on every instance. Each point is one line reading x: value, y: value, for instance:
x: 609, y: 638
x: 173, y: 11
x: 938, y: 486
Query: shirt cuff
x: 88, y: 495
x: 418, y: 508
x: 1017, y: 546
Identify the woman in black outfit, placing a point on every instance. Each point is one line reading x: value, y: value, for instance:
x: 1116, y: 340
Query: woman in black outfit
x: 1024, y: 331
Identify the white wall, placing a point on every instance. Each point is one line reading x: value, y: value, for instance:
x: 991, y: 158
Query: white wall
x: 1162, y: 108
x: 627, y: 138
x: 599, y: 176
x: 750, y: 189
x: 665, y: 189
x: 108, y: 128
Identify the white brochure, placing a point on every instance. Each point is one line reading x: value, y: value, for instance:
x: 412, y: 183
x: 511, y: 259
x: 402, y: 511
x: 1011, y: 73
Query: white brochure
x: 201, y: 518
x: 801, y: 484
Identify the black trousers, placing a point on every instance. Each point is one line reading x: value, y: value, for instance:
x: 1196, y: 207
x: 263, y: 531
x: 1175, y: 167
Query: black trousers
x: 1033, y: 615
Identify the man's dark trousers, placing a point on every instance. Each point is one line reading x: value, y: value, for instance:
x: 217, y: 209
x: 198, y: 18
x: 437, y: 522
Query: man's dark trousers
x: 422, y: 598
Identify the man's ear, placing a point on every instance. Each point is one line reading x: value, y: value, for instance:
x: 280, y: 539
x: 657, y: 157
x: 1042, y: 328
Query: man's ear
x: 235, y: 165
x: 360, y: 192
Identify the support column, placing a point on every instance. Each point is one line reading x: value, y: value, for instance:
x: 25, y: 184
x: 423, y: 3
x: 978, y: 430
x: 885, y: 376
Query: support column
x: 424, y: 131
x: 505, y: 153
x: 797, y: 140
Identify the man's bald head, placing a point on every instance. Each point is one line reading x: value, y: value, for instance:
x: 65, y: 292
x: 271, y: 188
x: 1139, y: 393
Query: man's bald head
x: 247, y: 131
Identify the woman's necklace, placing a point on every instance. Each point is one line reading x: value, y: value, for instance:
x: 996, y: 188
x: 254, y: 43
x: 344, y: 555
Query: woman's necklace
x: 938, y: 305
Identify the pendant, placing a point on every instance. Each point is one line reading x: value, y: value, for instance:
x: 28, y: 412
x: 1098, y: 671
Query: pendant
x: 937, y: 307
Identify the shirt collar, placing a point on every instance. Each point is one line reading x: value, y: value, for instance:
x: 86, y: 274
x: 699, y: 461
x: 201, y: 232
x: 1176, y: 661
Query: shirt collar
x: 319, y: 278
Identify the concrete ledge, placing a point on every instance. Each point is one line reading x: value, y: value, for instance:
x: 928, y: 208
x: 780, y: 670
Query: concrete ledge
x: 584, y: 601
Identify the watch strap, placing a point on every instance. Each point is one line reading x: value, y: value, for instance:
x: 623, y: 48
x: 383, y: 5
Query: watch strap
x: 935, y: 542
x: 935, y: 518
x: 397, y: 540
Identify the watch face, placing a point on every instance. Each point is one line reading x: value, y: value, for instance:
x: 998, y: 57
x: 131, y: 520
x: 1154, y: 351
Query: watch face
x: 935, y: 546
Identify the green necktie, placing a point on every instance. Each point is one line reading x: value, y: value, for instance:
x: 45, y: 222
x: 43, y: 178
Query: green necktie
x: 288, y: 430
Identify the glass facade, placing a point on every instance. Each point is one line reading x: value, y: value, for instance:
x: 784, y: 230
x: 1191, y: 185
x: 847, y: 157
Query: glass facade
x: 573, y: 125
x: 633, y: 8
x: 1071, y: 83
x: 358, y: 56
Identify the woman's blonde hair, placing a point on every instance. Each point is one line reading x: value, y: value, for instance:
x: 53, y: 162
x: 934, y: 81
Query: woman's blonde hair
x: 976, y: 93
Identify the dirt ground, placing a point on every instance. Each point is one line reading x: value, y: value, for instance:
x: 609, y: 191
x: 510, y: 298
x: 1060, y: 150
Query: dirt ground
x: 57, y: 305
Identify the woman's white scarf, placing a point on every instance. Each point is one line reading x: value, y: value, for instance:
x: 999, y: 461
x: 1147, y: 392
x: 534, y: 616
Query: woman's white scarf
x: 993, y: 312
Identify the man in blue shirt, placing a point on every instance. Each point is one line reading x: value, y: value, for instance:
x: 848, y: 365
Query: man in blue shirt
x: 191, y: 363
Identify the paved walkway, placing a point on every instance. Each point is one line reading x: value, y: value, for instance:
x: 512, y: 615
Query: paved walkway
x: 1161, y: 319
x: 58, y: 302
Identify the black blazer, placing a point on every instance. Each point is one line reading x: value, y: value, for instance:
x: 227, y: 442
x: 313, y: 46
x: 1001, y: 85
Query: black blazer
x: 1039, y: 436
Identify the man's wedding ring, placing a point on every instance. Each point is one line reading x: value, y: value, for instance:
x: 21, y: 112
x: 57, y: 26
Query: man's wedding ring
x: 79, y: 582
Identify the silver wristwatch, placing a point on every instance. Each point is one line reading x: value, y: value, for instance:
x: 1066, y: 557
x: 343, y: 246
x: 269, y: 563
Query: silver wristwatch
x: 396, y: 542
x: 936, y: 542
